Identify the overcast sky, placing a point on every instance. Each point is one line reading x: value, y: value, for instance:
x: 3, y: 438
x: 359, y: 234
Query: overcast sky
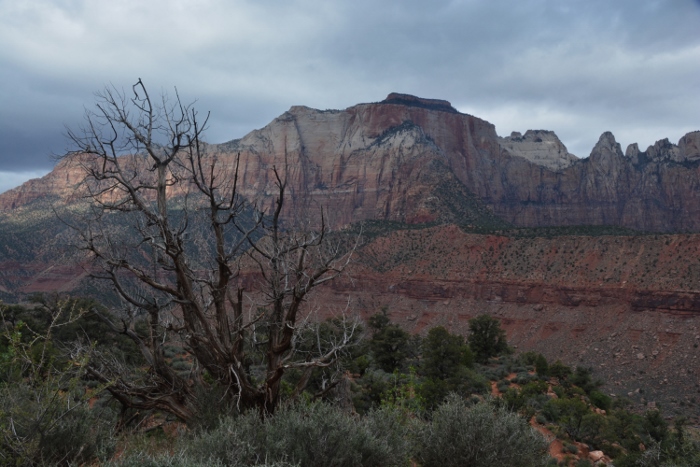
x: 578, y: 68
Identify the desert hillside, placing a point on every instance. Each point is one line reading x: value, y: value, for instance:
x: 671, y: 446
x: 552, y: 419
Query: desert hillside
x: 581, y: 259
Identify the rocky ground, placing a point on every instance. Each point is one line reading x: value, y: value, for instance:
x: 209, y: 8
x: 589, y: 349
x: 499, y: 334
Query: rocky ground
x: 626, y: 306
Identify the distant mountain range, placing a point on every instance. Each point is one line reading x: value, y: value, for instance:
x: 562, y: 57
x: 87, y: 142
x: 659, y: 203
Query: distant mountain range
x: 419, y: 160
x: 460, y: 221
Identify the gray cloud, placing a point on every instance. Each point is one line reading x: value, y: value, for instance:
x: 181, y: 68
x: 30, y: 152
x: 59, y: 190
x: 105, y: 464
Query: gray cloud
x: 576, y: 67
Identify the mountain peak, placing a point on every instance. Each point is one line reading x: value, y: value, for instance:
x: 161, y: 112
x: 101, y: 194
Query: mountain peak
x: 686, y: 151
x: 414, y: 101
x: 607, y: 149
x: 540, y: 147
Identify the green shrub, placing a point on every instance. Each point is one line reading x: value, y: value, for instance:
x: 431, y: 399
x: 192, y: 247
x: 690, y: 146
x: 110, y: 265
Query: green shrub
x: 40, y: 424
x: 443, y: 353
x: 537, y: 402
x: 582, y: 378
x: 359, y: 365
x: 481, y: 435
x: 512, y: 399
x: 523, y: 378
x: 541, y: 365
x: 464, y: 382
x: 559, y: 370
x: 45, y: 418
x: 559, y: 391
x: 389, y: 343
x: 568, y: 413
x: 570, y: 448
x: 369, y: 391
x: 600, y: 400
x: 446, y: 368
x: 181, y: 365
x: 233, y: 442
x: 403, y: 392
x: 655, y: 425
x: 212, y: 407
x: 592, y: 427
x: 170, y: 351
x: 179, y: 459
x: 316, y: 434
x: 534, y: 388
x: 486, y: 338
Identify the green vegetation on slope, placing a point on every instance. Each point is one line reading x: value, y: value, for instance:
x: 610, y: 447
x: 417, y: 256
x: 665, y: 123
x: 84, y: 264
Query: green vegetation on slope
x: 440, y: 400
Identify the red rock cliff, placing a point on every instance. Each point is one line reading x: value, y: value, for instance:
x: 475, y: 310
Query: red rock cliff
x: 409, y: 159
x: 384, y: 161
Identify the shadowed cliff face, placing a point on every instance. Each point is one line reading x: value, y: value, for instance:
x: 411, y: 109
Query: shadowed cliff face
x: 656, y: 191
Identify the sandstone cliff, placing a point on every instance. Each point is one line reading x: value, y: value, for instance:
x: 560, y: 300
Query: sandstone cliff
x: 385, y: 160
x: 371, y: 161
x: 59, y: 184
x: 540, y: 147
x: 420, y: 160
x: 655, y: 191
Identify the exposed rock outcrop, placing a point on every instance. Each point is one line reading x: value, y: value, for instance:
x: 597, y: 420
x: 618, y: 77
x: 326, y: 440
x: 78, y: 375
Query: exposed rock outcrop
x: 646, y: 193
x: 384, y: 160
x: 540, y: 147
x: 371, y: 161
x: 59, y: 184
x: 686, y: 152
x: 394, y: 159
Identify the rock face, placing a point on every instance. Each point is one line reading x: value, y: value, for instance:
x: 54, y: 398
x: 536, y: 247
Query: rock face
x: 419, y: 160
x: 371, y: 161
x: 686, y: 153
x: 656, y: 190
x: 385, y: 160
x: 59, y: 184
x: 540, y: 147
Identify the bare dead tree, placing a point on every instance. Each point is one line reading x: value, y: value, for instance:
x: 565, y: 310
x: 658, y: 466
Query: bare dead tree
x: 166, y: 228
x: 292, y: 262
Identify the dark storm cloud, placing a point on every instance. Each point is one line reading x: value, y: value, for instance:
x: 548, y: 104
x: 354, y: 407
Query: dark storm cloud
x: 582, y: 67
x: 576, y: 67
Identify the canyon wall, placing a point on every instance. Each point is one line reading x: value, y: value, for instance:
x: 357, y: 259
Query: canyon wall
x: 384, y: 161
x: 392, y: 161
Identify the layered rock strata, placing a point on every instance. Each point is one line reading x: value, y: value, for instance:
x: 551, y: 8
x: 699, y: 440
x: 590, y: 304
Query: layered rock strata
x: 627, y: 307
x: 387, y: 160
x: 540, y: 147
